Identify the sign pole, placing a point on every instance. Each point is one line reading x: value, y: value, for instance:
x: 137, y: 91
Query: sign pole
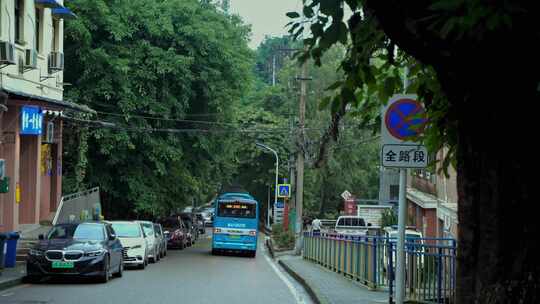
x: 400, y: 260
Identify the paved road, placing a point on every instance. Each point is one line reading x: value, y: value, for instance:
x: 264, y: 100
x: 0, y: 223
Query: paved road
x: 188, y: 276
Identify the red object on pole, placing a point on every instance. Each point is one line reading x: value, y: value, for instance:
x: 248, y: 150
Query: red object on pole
x: 285, y: 215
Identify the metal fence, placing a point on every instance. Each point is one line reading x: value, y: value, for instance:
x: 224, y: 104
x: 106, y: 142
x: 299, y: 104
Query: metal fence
x: 429, y: 266
x: 78, y: 206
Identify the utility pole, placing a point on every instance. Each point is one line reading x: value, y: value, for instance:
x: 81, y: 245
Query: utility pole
x: 300, y: 159
x: 274, y: 70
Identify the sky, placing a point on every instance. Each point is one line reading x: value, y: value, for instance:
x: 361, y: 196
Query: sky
x: 267, y: 17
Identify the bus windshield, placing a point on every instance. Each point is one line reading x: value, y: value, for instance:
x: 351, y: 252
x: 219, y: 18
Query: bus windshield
x: 237, y: 209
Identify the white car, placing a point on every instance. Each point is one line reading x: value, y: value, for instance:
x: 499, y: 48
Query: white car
x: 414, y: 247
x: 152, y: 243
x: 351, y: 225
x: 132, y: 238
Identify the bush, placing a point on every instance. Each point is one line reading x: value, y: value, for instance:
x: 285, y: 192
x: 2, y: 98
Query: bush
x: 283, y: 239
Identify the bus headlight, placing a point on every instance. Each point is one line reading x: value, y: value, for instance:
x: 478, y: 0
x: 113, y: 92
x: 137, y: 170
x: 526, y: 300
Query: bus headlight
x: 217, y: 230
x: 253, y: 232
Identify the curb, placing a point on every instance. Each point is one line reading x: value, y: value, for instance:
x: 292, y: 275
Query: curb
x: 270, y: 247
x: 10, y: 283
x: 313, y: 292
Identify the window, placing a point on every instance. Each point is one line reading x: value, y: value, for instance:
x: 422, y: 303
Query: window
x: 127, y: 230
x: 19, y: 21
x: 237, y: 209
x: 55, y: 37
x: 148, y: 228
x: 38, y: 29
x: 394, y: 192
x: 78, y: 232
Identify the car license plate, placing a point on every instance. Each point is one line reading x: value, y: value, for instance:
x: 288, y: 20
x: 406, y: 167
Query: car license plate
x: 62, y: 264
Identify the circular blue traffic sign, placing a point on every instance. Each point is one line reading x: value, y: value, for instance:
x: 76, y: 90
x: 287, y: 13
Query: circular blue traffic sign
x: 405, y: 118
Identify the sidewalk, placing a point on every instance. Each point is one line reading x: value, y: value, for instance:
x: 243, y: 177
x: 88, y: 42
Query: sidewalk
x: 10, y: 277
x: 327, y: 287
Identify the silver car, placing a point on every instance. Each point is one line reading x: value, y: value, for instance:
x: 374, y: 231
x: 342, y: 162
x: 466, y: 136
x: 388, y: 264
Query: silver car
x: 162, y: 241
x: 152, y: 244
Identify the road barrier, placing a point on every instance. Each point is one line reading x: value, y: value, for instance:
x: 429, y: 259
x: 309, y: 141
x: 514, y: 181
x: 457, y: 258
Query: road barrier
x: 370, y: 259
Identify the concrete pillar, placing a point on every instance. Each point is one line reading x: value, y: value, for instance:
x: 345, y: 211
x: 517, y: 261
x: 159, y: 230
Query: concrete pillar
x: 10, y: 151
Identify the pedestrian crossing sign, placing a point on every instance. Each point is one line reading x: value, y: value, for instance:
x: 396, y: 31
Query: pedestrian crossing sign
x: 284, y: 190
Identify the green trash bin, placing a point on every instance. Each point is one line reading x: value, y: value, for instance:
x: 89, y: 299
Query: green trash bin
x: 3, y: 249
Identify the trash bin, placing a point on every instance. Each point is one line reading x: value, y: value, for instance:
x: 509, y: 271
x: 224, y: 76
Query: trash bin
x: 3, y: 247
x: 11, y: 250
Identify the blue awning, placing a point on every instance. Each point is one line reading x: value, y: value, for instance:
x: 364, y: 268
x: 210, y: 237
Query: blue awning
x: 47, y: 3
x: 63, y: 12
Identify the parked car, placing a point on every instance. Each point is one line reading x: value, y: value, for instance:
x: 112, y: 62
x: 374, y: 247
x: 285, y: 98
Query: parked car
x: 162, y: 241
x: 188, y: 209
x: 208, y: 217
x: 351, y: 225
x: 200, y: 222
x: 414, y: 247
x: 132, y: 238
x: 89, y: 249
x: 192, y: 228
x: 175, y: 232
x: 151, y: 242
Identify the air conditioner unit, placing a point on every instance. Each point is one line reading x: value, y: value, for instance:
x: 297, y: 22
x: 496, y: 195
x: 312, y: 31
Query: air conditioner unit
x: 56, y: 61
x: 7, y: 53
x: 49, y: 136
x: 30, y: 59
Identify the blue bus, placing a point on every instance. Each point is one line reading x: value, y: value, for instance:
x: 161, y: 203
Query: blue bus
x: 236, y: 224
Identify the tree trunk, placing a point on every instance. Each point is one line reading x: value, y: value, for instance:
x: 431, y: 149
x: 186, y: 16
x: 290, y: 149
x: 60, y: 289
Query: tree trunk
x: 490, y: 77
x: 498, y: 246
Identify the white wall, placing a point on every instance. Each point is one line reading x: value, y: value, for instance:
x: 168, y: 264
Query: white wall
x: 29, y: 82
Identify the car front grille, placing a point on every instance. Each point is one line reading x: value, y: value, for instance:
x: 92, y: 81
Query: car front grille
x: 72, y: 255
x: 124, y: 253
x: 54, y: 255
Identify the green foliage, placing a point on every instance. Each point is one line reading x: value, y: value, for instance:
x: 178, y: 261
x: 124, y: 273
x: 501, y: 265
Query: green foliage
x: 156, y: 65
x: 373, y: 67
x: 283, y: 239
x: 389, y: 218
x: 351, y: 165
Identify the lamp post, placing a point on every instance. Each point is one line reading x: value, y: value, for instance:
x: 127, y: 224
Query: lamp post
x: 260, y: 145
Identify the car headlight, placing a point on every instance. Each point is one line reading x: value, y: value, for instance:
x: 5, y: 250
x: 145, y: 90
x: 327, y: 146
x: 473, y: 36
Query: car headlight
x: 136, y: 247
x: 35, y: 252
x: 95, y: 253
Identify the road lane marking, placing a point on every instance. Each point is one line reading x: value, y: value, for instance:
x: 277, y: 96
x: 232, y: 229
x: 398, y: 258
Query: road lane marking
x: 292, y: 289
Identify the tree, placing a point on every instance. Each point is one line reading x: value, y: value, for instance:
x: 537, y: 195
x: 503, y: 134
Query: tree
x: 467, y: 60
x: 352, y: 166
x: 169, y: 75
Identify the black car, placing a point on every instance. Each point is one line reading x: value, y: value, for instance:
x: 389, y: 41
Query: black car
x: 89, y: 249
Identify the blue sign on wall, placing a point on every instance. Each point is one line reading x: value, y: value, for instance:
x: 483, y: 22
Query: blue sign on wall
x: 31, y: 120
x: 280, y: 205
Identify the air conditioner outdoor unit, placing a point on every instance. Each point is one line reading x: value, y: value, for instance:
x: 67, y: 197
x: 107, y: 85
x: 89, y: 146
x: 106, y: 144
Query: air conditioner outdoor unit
x: 30, y: 59
x: 49, y: 136
x: 7, y: 53
x: 56, y: 61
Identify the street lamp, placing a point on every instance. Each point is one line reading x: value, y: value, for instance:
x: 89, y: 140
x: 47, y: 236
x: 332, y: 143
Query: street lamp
x: 260, y: 145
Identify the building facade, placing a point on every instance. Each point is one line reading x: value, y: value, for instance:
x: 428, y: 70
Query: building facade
x: 31, y: 109
x: 432, y: 202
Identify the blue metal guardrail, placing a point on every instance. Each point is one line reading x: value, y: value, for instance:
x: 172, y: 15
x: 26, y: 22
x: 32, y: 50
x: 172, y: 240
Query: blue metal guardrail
x: 430, y: 263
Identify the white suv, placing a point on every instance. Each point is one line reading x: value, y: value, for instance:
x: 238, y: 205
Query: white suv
x: 131, y: 237
x: 351, y: 225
